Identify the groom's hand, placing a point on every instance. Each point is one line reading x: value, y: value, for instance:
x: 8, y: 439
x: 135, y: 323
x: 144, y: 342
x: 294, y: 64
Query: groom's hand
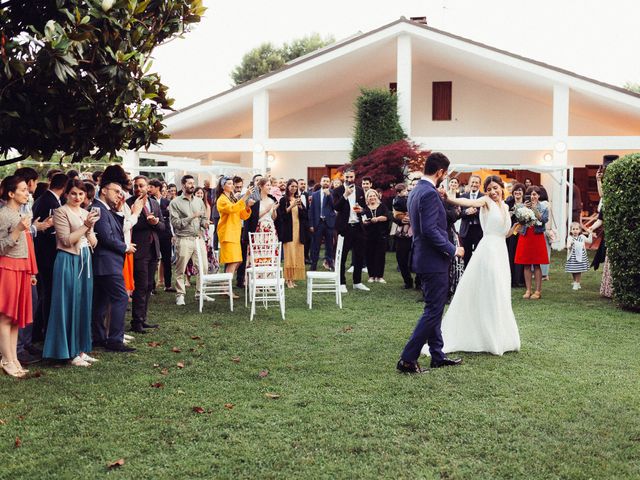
x: 460, y: 252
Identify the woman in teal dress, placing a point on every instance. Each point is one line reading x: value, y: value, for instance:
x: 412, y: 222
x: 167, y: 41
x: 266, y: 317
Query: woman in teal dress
x: 68, y: 334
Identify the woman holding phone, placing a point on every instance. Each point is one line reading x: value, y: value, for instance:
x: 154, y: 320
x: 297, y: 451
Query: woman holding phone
x: 293, y: 221
x: 375, y: 219
x: 69, y: 327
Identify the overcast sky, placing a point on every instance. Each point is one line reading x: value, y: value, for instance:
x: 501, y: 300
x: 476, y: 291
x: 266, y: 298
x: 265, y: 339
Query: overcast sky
x: 596, y: 38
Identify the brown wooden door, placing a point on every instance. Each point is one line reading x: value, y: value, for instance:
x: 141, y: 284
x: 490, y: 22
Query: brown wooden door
x: 316, y: 173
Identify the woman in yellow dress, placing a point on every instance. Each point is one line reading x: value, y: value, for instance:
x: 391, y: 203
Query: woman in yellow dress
x: 232, y: 212
x: 294, y: 223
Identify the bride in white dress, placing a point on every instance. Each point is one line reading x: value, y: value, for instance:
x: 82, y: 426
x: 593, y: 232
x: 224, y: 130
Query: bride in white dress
x: 480, y: 317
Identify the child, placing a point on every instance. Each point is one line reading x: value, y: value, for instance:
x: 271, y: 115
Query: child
x: 577, y: 261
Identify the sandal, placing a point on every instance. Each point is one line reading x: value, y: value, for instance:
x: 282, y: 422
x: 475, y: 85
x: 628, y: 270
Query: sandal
x: 536, y: 296
x: 11, y: 369
x: 527, y: 294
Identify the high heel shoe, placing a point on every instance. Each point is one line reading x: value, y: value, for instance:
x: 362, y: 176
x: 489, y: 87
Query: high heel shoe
x: 11, y: 369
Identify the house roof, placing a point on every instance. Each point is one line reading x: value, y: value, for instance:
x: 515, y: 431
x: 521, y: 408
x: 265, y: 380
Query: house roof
x: 410, y: 26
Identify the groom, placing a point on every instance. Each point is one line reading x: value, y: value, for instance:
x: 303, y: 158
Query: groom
x: 432, y: 254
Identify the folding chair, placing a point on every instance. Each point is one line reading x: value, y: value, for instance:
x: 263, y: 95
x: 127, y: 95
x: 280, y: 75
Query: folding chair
x: 323, y: 282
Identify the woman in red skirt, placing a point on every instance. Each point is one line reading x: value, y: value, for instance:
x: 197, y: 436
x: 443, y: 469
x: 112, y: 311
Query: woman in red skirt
x: 532, y: 247
x: 17, y: 272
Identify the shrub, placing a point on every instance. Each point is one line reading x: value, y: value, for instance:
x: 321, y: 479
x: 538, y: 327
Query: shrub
x: 377, y: 121
x: 622, y: 228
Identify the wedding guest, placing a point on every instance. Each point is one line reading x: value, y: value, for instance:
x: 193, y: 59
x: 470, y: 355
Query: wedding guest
x: 577, y: 260
x: 532, y: 249
x: 454, y: 188
x: 96, y: 175
x: 18, y: 271
x: 232, y: 212
x: 366, y: 184
x: 336, y: 183
x: 164, y: 235
x: 470, y: 228
x: 606, y: 283
x: 514, y: 200
x: 375, y: 219
x: 52, y: 172
x: 348, y: 200
x: 264, y: 212
x: 238, y: 185
x: 403, y: 234
x: 527, y: 183
x: 250, y: 225
x: 109, y: 293
x: 188, y: 216
x: 69, y: 327
x: 254, y: 183
x: 172, y: 191
x: 456, y: 267
x: 576, y: 204
x: 130, y: 215
x: 46, y: 250
x: 549, y: 233
x: 41, y: 187
x: 293, y: 225
x: 90, y: 193
x: 145, y: 236
x: 322, y: 221
x: 305, y: 198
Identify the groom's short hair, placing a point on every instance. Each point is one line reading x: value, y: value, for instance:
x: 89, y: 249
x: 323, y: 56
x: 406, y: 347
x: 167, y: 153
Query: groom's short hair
x: 436, y: 161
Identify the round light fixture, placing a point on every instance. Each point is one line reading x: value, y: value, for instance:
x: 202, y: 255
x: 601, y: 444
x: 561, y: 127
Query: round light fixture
x: 560, y: 147
x: 547, y: 158
x: 271, y: 158
x: 258, y: 148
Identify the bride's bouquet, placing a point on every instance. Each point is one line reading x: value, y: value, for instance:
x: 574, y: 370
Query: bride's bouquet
x: 525, y: 216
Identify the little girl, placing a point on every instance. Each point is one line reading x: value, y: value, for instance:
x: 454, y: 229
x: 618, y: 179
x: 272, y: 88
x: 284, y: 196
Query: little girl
x: 577, y: 260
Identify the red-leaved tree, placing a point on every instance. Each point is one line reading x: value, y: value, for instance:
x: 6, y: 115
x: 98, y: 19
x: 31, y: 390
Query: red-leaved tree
x: 389, y: 165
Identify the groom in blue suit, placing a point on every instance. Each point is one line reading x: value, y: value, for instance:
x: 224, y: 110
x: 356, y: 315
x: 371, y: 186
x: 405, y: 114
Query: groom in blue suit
x: 432, y: 254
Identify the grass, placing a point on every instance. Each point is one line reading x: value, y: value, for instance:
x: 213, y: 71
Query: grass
x: 566, y: 406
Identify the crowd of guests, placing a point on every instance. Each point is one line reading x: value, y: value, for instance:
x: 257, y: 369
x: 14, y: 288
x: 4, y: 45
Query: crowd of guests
x: 76, y: 250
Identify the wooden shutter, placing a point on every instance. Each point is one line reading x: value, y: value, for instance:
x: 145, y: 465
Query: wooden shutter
x: 441, y: 101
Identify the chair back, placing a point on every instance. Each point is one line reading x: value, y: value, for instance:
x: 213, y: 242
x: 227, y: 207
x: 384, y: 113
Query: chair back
x: 264, y: 249
x: 339, y: 248
x: 202, y: 262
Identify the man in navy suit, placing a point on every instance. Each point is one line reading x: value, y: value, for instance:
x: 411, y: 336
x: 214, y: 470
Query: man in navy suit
x: 144, y: 236
x: 432, y: 254
x: 470, y: 228
x: 108, y: 262
x: 322, y: 221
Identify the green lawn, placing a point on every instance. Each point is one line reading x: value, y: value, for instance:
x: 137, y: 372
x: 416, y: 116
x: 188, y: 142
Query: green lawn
x: 566, y: 406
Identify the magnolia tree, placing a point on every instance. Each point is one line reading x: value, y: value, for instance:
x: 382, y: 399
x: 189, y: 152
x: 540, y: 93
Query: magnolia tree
x: 75, y: 78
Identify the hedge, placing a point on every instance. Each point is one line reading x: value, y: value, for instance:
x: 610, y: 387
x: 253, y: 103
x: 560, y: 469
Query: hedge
x: 622, y: 228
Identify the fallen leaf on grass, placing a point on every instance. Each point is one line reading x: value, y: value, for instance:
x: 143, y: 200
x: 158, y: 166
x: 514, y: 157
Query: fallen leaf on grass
x: 180, y: 392
x: 235, y: 359
x: 198, y: 409
x: 118, y: 463
x: 195, y: 337
x: 157, y: 385
x: 156, y: 365
x: 347, y: 329
x: 20, y: 417
x: 263, y: 373
x: 154, y: 344
x: 37, y: 374
x: 175, y: 350
x: 272, y: 396
x: 229, y: 406
x: 2, y: 422
x: 164, y: 371
x: 18, y: 442
x: 180, y: 365
x: 216, y: 324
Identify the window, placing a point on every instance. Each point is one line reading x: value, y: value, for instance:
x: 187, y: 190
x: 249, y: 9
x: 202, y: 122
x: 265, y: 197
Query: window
x: 441, y: 101
x: 393, y: 87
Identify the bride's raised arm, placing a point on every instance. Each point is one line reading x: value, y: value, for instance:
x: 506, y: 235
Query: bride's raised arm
x: 467, y: 202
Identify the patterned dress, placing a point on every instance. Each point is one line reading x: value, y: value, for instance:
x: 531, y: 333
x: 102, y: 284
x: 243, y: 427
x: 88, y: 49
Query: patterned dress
x: 577, y: 260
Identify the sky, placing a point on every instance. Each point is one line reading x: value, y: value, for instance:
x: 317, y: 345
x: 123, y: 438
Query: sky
x: 596, y: 38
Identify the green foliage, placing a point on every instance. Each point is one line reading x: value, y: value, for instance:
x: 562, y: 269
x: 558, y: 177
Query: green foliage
x: 74, y: 74
x: 632, y: 86
x: 622, y: 228
x: 377, y: 121
x: 267, y: 57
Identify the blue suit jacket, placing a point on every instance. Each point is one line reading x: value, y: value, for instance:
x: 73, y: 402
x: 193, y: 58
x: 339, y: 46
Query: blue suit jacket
x: 328, y: 212
x: 432, y: 250
x: 108, y: 255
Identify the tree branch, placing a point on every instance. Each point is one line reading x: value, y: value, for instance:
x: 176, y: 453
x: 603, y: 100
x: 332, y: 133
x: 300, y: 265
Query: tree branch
x: 13, y: 160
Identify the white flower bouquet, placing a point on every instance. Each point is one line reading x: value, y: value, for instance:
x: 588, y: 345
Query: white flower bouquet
x: 525, y: 216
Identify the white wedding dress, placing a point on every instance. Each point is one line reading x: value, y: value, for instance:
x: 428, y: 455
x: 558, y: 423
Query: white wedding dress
x: 480, y: 317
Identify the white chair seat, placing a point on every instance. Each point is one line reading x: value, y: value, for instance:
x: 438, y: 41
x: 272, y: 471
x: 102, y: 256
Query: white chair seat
x: 321, y: 275
x: 217, y: 276
x: 264, y: 282
x: 212, y: 283
x: 323, y: 282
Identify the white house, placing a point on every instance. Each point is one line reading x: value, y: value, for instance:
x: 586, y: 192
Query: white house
x: 477, y: 104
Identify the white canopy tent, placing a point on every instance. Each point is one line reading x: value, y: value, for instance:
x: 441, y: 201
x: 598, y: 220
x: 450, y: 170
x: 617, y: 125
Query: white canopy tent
x: 558, y: 197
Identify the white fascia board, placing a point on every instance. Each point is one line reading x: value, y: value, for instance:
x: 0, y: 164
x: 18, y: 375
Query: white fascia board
x: 603, y: 143
x: 487, y: 143
x: 308, y: 144
x: 203, y: 145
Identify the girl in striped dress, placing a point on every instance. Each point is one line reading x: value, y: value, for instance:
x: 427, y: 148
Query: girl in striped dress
x: 577, y: 260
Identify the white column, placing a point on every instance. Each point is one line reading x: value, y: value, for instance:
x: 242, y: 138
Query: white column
x: 260, y: 130
x: 560, y: 157
x: 131, y: 162
x: 403, y: 79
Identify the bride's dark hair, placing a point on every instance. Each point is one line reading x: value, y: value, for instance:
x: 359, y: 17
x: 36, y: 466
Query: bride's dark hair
x: 493, y: 178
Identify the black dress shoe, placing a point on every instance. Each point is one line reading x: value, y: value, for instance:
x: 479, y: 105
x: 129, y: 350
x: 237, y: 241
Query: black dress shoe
x: 137, y: 328
x: 97, y: 344
x: 170, y: 289
x: 150, y: 325
x: 446, y: 362
x: 118, y: 347
x: 409, y: 367
x: 26, y: 358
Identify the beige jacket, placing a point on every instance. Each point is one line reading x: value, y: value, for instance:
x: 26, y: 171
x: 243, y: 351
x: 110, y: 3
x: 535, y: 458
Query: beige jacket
x: 9, y: 220
x: 66, y: 222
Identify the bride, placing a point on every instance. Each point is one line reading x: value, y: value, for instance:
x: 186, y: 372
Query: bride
x: 480, y: 317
